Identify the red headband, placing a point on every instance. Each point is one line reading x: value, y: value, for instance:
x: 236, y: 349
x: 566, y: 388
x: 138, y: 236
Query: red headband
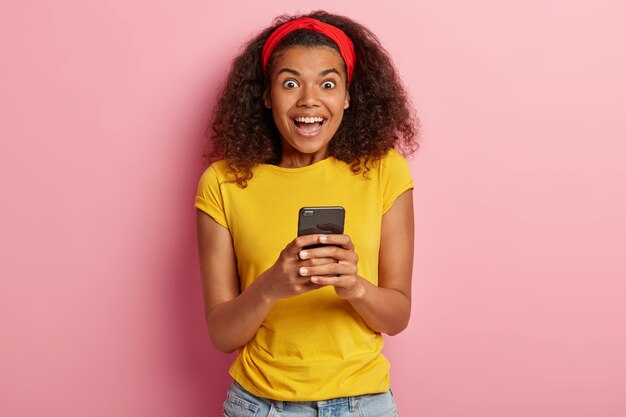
x: 346, y: 48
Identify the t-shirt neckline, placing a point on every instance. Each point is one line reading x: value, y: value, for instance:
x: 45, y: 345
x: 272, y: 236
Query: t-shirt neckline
x: 315, y: 165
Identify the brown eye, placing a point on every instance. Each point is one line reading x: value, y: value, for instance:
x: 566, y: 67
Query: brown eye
x: 290, y: 84
x: 328, y: 84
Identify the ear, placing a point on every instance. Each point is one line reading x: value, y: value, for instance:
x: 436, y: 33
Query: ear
x: 346, y: 103
x: 267, y: 100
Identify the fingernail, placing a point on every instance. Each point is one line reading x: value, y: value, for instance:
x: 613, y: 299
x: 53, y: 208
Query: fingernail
x: 323, y: 238
x: 314, y: 280
x: 303, y: 254
x: 303, y: 271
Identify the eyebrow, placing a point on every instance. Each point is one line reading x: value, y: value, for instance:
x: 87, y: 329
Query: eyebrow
x: 323, y: 73
x: 329, y: 71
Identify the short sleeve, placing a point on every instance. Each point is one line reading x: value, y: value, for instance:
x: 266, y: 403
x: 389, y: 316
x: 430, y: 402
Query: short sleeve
x: 209, y: 196
x: 396, y: 178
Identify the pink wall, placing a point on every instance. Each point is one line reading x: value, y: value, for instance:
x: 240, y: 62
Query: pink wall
x: 519, y: 294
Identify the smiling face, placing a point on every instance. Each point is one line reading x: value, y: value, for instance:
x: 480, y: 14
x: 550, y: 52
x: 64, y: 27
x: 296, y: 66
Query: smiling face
x: 308, y: 97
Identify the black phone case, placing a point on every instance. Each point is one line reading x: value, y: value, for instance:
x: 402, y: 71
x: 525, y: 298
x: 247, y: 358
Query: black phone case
x: 320, y: 220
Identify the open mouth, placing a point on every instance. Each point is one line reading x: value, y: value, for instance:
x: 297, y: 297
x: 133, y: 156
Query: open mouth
x: 309, y: 125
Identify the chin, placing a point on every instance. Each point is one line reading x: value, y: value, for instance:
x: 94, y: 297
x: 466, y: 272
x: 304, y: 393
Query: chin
x: 310, y: 148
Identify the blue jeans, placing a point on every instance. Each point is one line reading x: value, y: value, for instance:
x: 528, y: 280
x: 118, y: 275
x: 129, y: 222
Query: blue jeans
x: 241, y: 403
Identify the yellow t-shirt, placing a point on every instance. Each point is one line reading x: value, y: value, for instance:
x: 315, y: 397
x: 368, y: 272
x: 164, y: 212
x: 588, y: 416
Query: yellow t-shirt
x: 313, y: 346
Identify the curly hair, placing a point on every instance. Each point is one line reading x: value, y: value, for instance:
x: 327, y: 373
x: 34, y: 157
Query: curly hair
x: 380, y: 116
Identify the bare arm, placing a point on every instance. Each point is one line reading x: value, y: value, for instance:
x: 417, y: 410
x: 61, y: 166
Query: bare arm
x: 233, y: 317
x: 222, y: 297
x: 385, y: 308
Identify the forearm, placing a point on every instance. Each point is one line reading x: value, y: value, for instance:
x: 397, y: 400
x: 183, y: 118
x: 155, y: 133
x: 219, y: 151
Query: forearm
x: 384, y: 310
x: 234, y: 323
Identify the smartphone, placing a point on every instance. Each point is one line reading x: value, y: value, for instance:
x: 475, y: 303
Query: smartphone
x: 320, y: 220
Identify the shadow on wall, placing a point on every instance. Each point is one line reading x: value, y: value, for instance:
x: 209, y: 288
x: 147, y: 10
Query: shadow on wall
x: 203, y: 371
x: 199, y: 371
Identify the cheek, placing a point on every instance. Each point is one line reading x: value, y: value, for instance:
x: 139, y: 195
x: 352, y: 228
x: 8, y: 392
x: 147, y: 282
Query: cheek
x: 339, y: 104
x: 279, y: 116
x: 281, y: 121
x: 280, y: 106
x: 339, y: 109
x: 276, y: 117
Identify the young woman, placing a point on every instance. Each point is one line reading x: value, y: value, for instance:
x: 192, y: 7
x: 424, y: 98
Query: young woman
x: 312, y: 114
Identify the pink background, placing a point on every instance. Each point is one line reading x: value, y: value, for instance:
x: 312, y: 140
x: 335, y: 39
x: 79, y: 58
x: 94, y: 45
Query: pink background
x: 519, y: 285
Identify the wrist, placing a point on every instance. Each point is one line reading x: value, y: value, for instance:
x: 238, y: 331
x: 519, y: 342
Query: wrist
x: 263, y: 288
x: 360, y: 289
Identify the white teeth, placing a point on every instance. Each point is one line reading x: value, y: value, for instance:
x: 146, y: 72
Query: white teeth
x: 309, y: 119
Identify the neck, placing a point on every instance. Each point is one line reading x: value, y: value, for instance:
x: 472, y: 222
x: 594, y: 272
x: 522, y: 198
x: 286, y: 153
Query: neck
x: 295, y: 159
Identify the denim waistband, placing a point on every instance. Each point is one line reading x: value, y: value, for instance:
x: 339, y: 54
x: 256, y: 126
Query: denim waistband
x: 280, y: 405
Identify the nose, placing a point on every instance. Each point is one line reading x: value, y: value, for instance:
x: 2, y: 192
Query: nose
x: 308, y: 97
